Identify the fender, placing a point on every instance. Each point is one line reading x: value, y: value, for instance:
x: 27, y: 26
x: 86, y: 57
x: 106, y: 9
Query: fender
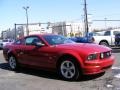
x: 10, y: 51
x: 73, y: 54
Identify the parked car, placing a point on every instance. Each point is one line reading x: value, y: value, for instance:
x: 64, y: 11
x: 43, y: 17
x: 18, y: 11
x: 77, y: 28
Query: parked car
x: 56, y: 53
x: 107, y: 38
x: 86, y: 39
x: 5, y: 42
x: 82, y: 39
x: 117, y: 39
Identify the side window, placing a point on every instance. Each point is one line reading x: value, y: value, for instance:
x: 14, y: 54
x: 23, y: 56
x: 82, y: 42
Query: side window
x: 107, y: 33
x: 32, y: 40
x: 116, y: 32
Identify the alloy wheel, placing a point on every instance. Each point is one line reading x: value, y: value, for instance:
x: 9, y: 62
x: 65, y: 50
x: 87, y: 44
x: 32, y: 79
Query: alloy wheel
x: 12, y: 62
x: 68, y: 69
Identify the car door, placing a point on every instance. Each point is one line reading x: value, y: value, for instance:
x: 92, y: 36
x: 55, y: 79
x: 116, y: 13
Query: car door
x: 36, y: 56
x: 19, y: 48
x: 107, y: 35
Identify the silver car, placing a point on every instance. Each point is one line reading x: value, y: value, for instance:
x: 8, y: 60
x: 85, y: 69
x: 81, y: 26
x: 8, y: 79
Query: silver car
x: 5, y: 42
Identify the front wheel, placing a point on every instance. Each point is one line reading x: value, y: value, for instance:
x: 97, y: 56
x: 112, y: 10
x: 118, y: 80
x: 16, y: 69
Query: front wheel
x: 13, y: 63
x: 69, y: 70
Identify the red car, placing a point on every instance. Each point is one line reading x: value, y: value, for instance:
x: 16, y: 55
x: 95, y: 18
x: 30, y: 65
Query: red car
x: 57, y: 53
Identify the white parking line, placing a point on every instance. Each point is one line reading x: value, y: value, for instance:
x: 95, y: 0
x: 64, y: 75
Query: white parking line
x: 117, y: 75
x: 116, y: 68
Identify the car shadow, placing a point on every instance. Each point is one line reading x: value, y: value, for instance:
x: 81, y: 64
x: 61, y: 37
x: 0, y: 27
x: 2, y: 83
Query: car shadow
x: 29, y: 71
x: 46, y: 74
x: 91, y: 77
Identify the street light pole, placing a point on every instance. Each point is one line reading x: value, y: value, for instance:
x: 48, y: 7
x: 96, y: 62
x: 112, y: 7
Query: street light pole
x: 26, y: 9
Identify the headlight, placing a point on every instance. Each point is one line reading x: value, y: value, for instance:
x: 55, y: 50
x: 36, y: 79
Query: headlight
x: 110, y: 53
x: 102, y: 55
x: 105, y: 54
x: 92, y: 57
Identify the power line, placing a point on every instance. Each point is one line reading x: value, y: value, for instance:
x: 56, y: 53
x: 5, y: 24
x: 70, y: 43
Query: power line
x: 105, y: 20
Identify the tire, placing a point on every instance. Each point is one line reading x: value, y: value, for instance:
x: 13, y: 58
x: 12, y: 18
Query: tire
x: 104, y: 43
x: 69, y: 70
x: 13, y: 63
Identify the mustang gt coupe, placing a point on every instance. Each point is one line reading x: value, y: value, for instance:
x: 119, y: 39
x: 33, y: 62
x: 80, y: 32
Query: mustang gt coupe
x: 56, y: 53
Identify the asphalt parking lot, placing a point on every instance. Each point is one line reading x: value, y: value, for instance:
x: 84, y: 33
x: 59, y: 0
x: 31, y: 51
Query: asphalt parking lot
x: 30, y: 79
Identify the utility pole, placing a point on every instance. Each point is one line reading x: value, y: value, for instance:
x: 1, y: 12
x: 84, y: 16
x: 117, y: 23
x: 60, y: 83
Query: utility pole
x: 86, y: 18
x: 105, y: 23
x: 26, y: 10
x: 15, y: 37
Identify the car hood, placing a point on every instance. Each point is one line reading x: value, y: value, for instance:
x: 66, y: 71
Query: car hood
x: 85, y: 47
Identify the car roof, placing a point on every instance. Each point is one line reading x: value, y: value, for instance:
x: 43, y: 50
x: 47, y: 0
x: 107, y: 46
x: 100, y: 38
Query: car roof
x: 41, y: 35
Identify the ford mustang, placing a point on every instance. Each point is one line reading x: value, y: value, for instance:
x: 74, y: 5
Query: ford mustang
x: 56, y: 53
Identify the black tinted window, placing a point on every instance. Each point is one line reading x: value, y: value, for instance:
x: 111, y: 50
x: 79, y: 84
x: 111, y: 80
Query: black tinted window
x: 107, y: 33
x: 116, y: 32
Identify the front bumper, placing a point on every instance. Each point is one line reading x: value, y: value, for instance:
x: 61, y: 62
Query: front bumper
x: 98, y: 66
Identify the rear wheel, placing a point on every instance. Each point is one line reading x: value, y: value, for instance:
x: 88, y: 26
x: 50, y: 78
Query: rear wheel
x: 13, y: 63
x: 69, y: 70
x: 104, y: 43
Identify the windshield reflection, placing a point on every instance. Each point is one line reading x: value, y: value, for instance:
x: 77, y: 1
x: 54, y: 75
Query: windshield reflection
x: 57, y: 39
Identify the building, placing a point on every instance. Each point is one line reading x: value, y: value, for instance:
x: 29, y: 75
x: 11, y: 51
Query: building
x: 68, y: 29
x: 20, y: 30
x: 32, y: 29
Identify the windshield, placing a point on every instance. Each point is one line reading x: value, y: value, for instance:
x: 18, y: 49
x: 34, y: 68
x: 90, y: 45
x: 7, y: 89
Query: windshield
x: 57, y: 39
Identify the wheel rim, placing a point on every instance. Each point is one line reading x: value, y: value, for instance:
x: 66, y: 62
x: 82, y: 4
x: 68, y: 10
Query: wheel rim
x: 67, y: 69
x: 104, y: 44
x: 12, y: 62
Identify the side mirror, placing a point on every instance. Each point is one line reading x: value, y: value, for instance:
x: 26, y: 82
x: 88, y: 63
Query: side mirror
x: 39, y: 44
